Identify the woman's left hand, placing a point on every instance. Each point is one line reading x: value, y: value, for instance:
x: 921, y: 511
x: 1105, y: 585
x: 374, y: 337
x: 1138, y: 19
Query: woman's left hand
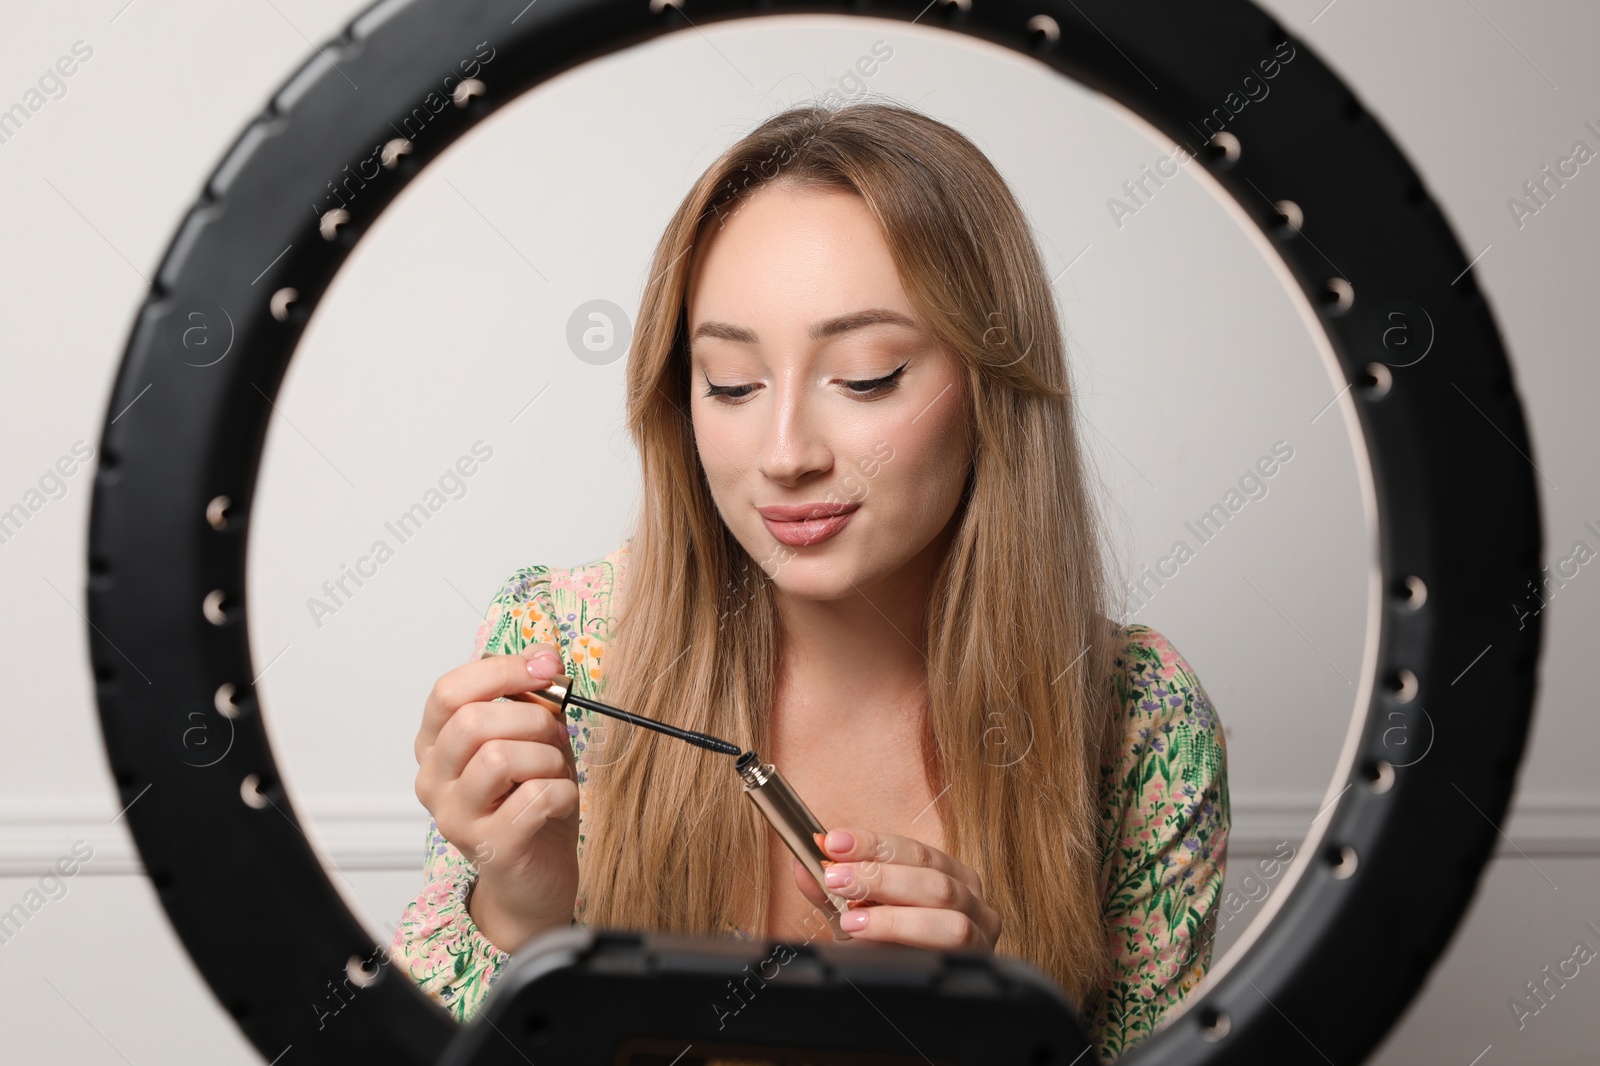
x: 903, y: 891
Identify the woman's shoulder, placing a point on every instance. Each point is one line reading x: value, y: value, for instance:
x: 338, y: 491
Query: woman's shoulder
x: 1164, y: 708
x: 592, y: 582
x: 596, y: 576
x: 1165, y: 821
x: 540, y: 603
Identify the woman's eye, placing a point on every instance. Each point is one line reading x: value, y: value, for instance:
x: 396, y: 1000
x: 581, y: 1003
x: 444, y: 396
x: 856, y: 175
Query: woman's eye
x: 885, y: 384
x: 870, y: 387
x: 732, y: 392
x: 867, y: 388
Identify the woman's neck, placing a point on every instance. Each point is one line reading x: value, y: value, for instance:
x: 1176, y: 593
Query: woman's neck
x: 842, y: 660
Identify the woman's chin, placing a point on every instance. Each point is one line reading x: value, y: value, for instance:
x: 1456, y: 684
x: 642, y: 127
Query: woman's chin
x: 815, y: 580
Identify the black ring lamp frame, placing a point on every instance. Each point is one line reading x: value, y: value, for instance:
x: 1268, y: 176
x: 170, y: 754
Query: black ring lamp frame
x: 1352, y: 938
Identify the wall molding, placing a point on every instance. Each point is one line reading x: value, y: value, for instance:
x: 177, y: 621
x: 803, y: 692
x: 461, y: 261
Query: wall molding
x: 356, y: 833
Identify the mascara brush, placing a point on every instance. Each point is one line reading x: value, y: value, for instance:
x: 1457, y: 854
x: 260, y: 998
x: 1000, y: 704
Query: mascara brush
x: 559, y: 692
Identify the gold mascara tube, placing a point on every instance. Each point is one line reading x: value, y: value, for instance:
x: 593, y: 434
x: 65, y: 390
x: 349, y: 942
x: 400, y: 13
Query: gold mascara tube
x: 795, y: 823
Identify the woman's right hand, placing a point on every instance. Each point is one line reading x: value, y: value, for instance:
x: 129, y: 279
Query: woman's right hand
x: 500, y: 781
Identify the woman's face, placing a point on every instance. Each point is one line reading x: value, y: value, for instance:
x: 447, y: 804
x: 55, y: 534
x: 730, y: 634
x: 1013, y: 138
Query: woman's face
x: 815, y: 386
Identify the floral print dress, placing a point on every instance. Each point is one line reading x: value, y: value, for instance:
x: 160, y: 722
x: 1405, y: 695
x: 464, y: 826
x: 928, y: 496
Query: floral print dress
x: 1164, y: 815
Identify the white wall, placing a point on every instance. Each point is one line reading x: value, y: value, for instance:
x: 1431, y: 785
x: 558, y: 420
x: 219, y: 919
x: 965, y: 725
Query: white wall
x: 450, y: 318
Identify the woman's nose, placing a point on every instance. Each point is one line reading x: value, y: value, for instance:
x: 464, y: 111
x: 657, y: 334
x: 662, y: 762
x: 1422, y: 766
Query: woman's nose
x: 793, y: 443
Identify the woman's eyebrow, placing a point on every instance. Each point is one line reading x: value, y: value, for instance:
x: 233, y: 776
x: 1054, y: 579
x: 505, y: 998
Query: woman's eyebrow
x: 828, y: 327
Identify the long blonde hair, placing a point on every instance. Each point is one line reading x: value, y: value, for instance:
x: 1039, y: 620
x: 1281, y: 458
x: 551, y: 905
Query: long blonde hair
x: 1017, y: 640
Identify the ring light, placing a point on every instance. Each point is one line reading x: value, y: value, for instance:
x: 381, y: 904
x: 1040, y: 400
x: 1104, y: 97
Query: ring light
x: 1319, y: 178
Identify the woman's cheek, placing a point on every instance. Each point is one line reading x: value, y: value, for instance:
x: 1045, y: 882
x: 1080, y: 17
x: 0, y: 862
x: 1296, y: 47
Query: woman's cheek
x: 725, y: 481
x: 934, y: 454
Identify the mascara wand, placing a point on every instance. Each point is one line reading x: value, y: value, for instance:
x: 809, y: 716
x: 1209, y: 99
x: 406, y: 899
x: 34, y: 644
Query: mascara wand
x: 766, y: 787
x: 559, y: 692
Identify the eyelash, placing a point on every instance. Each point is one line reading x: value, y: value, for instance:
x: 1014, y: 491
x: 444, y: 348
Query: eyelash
x: 888, y: 383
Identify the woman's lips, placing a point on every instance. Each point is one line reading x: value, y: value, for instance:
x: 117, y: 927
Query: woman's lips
x: 806, y: 531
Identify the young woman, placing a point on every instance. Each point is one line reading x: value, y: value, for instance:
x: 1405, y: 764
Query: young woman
x: 867, y: 549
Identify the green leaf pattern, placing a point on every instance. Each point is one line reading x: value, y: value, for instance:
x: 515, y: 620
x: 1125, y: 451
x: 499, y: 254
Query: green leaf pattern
x: 1164, y: 826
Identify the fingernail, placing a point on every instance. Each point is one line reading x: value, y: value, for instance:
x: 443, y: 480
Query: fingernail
x: 853, y: 921
x: 840, y: 840
x: 836, y: 876
x: 546, y: 653
x: 541, y: 669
